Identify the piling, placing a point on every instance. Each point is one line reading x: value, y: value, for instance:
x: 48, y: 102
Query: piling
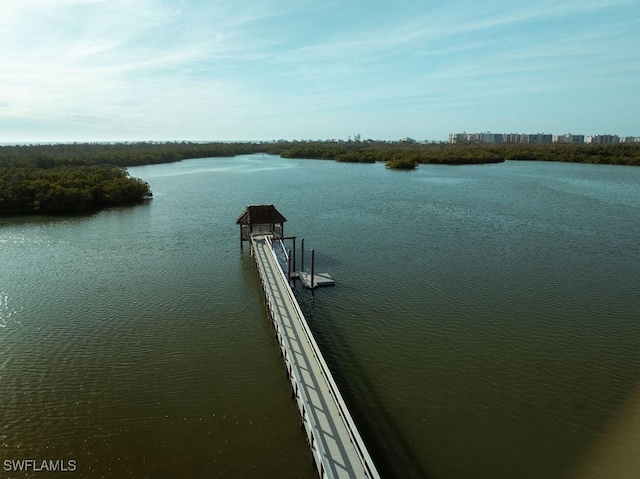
x: 293, y: 265
x: 313, y: 264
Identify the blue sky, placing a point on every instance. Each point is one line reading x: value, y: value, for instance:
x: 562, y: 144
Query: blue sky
x: 99, y: 70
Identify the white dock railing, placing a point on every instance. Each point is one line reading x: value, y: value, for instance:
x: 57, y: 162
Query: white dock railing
x: 351, y: 445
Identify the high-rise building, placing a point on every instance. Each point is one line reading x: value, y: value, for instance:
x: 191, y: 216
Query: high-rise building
x: 603, y: 139
x: 514, y: 138
x: 489, y: 137
x: 458, y: 137
x: 539, y: 138
x: 568, y: 138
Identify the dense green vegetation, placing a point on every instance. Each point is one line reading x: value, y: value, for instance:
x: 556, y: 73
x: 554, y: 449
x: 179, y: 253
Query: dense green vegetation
x: 405, y: 163
x: 402, y: 155
x: 67, y: 190
x: 394, y: 155
x: 81, y: 178
x: 614, y: 154
x: 117, y: 154
x: 133, y: 154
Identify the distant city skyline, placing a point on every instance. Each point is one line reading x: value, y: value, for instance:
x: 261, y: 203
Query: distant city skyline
x: 165, y: 70
x: 539, y: 138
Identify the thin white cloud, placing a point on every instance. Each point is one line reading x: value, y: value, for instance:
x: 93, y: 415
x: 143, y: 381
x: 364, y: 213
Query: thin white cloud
x: 177, y: 66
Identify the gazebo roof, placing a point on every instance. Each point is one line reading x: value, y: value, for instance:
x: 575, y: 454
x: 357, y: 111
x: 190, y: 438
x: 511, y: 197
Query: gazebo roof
x: 260, y: 214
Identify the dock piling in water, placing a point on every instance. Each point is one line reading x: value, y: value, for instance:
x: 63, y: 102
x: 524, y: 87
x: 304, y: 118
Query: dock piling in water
x: 293, y: 267
x: 313, y: 265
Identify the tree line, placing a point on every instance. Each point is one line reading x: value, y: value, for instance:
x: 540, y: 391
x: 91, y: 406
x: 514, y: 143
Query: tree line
x: 85, y: 177
x: 368, y: 151
x: 608, y: 154
x: 67, y: 190
x: 117, y: 154
x: 81, y: 178
x: 401, y: 155
x: 392, y: 154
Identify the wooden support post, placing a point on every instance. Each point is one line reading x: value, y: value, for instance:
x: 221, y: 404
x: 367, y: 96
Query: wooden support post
x: 313, y: 265
x: 289, y: 266
x: 302, y: 255
x: 241, y: 246
x: 294, y: 254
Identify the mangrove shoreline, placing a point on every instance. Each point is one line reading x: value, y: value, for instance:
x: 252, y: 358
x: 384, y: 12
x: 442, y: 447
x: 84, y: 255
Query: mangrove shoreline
x: 80, y: 178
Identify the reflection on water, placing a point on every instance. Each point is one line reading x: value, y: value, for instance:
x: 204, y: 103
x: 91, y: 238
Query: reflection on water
x: 484, y: 322
x: 244, y: 164
x: 7, y: 311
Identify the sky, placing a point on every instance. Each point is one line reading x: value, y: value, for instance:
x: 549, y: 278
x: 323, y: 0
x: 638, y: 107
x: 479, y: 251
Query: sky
x: 249, y: 70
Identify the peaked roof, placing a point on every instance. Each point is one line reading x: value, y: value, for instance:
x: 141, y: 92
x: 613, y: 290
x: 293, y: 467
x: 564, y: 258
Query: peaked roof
x: 260, y: 214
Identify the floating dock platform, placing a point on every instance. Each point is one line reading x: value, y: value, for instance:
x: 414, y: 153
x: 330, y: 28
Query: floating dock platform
x: 319, y: 279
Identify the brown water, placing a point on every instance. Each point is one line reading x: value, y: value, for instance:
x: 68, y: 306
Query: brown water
x: 485, y: 322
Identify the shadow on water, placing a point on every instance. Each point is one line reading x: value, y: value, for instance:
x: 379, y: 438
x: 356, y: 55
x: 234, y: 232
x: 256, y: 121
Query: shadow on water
x: 67, y: 218
x: 391, y: 452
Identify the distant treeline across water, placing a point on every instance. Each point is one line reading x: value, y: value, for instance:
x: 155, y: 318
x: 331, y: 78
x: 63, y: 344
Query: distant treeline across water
x: 80, y: 178
x: 146, y: 153
x: 453, y: 154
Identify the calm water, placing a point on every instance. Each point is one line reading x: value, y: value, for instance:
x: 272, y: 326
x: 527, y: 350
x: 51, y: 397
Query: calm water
x: 485, y: 322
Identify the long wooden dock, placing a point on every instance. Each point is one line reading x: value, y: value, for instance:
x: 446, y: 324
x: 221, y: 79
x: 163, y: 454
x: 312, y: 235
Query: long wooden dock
x: 336, y: 445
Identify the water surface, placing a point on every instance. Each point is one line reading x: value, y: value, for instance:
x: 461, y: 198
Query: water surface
x: 485, y: 322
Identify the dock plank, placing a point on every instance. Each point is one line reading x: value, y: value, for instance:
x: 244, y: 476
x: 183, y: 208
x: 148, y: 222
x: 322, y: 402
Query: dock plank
x: 335, y: 442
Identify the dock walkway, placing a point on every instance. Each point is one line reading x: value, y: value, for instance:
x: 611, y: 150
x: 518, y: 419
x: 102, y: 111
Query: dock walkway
x: 336, y: 445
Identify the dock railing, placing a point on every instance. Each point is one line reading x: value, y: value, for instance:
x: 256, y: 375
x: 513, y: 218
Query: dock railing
x: 354, y: 435
x: 308, y: 420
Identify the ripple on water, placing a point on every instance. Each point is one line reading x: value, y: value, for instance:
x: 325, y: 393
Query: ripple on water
x: 477, y: 314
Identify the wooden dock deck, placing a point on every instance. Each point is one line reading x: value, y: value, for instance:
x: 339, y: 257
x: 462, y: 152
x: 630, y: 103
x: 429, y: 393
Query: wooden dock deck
x: 336, y: 445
